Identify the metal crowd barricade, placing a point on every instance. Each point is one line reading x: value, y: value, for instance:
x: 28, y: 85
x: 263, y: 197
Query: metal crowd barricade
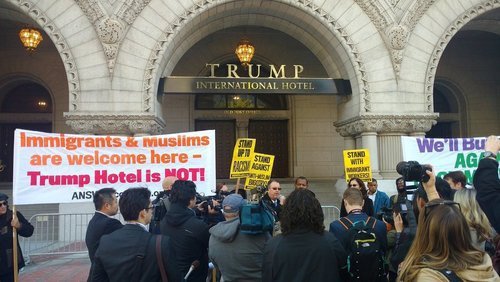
x: 56, y: 233
x: 331, y: 213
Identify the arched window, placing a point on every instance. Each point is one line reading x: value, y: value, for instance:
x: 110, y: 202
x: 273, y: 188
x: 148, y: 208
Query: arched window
x: 27, y: 98
x: 449, y: 105
x: 23, y: 105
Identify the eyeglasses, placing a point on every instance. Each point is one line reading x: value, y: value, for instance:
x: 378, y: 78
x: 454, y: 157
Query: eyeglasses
x: 276, y: 188
x: 429, y: 206
x: 3, y: 204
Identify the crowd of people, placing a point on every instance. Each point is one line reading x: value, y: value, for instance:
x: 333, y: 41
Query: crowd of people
x: 445, y: 231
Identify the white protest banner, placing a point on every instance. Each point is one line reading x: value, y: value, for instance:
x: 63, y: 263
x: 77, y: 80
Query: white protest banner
x: 64, y: 168
x: 445, y: 154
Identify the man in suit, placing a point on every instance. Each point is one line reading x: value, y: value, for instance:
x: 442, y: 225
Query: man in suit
x: 102, y: 222
x: 273, y: 198
x: 130, y: 253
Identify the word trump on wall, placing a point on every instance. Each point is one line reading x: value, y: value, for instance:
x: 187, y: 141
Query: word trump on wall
x: 61, y: 168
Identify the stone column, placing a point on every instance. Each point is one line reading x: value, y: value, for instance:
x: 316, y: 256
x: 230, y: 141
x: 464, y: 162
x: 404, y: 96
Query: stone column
x: 390, y: 144
x: 349, y: 143
x: 369, y: 141
x: 242, y: 128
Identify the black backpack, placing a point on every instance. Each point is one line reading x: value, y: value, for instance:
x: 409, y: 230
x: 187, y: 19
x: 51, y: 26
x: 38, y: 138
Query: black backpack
x: 365, y: 261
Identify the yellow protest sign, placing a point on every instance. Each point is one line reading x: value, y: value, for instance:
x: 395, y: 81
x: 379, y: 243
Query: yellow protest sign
x: 260, y: 171
x: 242, y: 157
x: 357, y: 164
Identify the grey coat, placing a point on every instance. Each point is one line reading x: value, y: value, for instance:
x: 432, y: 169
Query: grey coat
x: 238, y: 256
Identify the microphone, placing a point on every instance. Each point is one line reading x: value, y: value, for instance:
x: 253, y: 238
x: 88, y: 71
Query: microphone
x: 194, y: 266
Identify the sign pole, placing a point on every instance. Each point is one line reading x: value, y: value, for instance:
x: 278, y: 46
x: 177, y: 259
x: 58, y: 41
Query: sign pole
x: 237, y: 186
x: 14, y: 246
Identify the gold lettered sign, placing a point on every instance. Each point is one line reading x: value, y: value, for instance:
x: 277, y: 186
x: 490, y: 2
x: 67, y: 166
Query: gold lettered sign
x: 357, y: 164
x: 242, y: 157
x: 260, y: 171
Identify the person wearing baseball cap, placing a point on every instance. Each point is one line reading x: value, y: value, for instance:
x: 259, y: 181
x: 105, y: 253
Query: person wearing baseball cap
x: 237, y: 255
x: 8, y: 221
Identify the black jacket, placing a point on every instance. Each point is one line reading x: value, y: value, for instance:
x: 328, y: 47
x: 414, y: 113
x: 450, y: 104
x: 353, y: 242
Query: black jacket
x: 6, y: 240
x: 116, y: 257
x: 304, y: 256
x: 189, y: 236
x: 487, y: 185
x: 99, y: 225
x: 269, y: 203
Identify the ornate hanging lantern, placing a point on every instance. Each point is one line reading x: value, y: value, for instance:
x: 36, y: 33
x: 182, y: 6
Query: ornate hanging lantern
x: 245, y: 51
x: 30, y: 38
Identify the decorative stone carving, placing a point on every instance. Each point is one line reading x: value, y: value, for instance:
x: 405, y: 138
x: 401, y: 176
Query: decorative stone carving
x: 110, y: 31
x: 109, y: 27
x: 372, y: 9
x: 386, y: 123
x: 104, y: 123
x: 396, y: 21
x: 398, y: 36
x: 67, y: 57
x: 445, y: 39
x: 129, y: 11
x: 91, y: 8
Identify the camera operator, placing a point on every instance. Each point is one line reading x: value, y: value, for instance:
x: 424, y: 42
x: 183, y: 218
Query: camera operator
x: 161, y: 204
x: 430, y: 188
x: 401, y: 196
x: 208, y: 209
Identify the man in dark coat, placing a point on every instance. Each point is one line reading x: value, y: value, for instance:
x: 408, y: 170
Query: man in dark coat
x: 102, y: 222
x: 272, y: 198
x: 487, y: 183
x: 130, y: 253
x: 7, y: 222
x: 188, y: 233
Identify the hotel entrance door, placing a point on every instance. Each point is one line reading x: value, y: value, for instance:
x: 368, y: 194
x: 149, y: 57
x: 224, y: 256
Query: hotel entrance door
x: 272, y: 139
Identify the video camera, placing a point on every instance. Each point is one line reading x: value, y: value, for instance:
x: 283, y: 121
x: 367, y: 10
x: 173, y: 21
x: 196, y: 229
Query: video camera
x: 205, y: 201
x: 413, y: 171
x: 387, y: 214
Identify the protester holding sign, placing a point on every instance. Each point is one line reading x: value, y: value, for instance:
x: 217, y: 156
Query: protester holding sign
x: 487, y: 182
x: 8, y: 221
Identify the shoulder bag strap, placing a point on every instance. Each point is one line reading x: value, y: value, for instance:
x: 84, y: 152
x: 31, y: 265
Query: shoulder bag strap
x: 159, y: 259
x: 345, y: 222
x: 371, y: 219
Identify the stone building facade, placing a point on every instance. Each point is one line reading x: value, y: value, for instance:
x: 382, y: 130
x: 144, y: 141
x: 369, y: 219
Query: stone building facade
x: 415, y: 68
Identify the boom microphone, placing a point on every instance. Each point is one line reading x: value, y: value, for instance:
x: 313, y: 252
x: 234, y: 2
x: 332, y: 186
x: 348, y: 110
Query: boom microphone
x: 194, y: 266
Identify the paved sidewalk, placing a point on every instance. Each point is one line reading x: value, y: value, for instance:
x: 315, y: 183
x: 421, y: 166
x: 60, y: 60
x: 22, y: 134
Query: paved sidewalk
x: 55, y: 268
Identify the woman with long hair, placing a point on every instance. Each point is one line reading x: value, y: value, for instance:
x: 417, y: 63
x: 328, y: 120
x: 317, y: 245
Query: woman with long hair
x: 480, y: 227
x: 443, y: 248
x: 368, y: 204
x: 303, y: 251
